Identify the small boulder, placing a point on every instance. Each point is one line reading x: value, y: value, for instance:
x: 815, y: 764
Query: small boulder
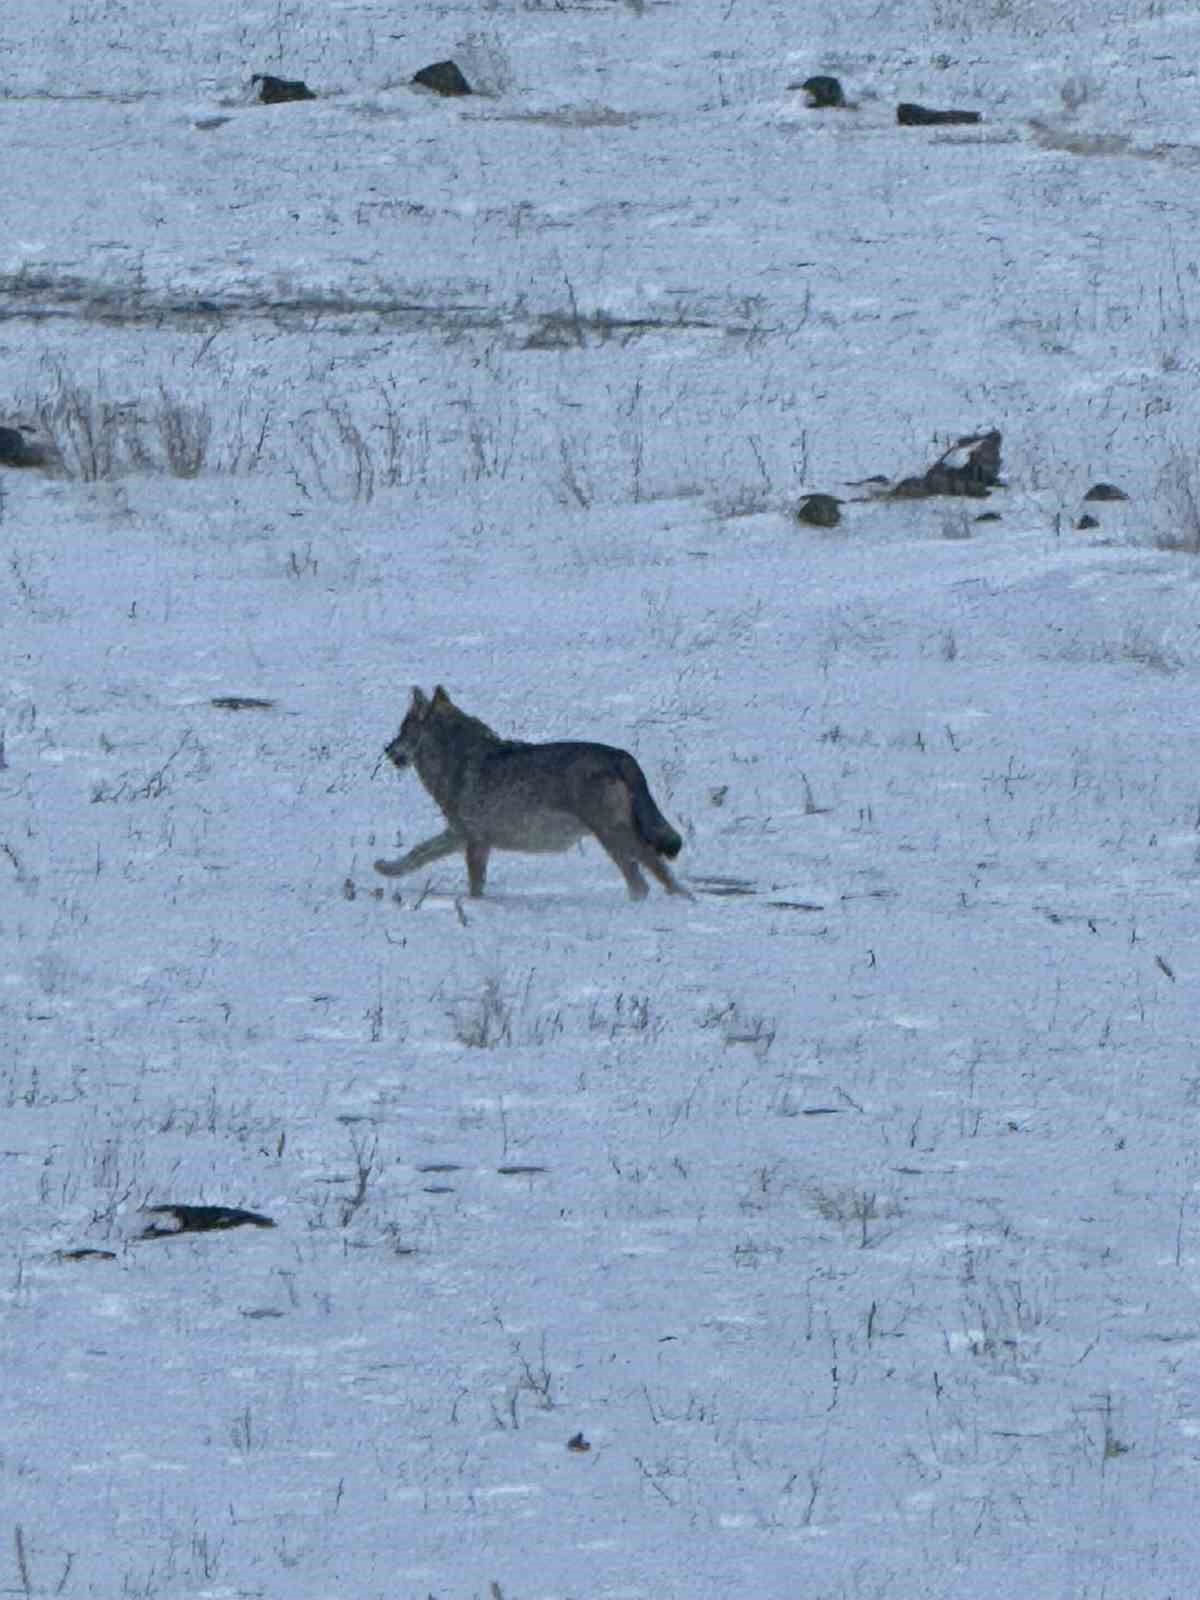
x: 274, y: 91
x: 443, y: 77
x: 819, y: 511
x: 970, y: 467
x: 911, y: 116
x: 199, y: 1219
x: 912, y: 489
x: 942, y: 480
x: 1105, y: 491
x: 18, y: 449
x: 876, y: 481
x: 1085, y: 522
x: 823, y: 93
x: 973, y: 459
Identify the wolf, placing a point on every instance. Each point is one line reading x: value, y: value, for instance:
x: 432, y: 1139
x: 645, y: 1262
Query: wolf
x: 503, y: 794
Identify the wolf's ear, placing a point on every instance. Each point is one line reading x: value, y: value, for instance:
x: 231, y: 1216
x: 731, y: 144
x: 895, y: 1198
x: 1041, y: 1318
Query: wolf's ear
x: 419, y: 701
x: 440, y: 698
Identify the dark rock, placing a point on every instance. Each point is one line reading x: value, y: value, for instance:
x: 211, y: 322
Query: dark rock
x: 18, y: 451
x: 200, y: 1219
x: 823, y: 92
x: 443, y: 77
x: 1105, y: 491
x: 973, y: 459
x: 970, y: 468
x: 910, y: 116
x: 274, y: 91
x: 1085, y: 522
x: 819, y: 511
x: 944, y: 480
x: 988, y: 516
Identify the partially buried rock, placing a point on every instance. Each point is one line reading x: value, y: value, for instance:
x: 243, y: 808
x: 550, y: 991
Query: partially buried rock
x: 240, y: 702
x: 911, y: 116
x: 443, y: 77
x: 19, y: 449
x: 819, y: 511
x: 1105, y: 491
x: 274, y: 91
x: 970, y: 467
x: 199, y: 1219
x: 1085, y: 522
x: 823, y: 92
x: 911, y: 489
x: 972, y: 462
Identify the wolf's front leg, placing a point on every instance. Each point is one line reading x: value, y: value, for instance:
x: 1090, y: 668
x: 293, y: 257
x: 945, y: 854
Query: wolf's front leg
x: 477, y: 860
x: 422, y: 855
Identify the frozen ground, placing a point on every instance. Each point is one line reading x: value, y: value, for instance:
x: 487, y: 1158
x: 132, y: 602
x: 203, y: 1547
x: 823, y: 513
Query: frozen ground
x: 850, y: 1212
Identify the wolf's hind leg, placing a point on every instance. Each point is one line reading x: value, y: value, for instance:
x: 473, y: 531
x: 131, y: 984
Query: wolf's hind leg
x: 654, y: 862
x: 477, y: 860
x: 618, y: 847
x: 422, y: 855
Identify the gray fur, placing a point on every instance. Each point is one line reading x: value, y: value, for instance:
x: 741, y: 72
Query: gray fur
x: 502, y: 794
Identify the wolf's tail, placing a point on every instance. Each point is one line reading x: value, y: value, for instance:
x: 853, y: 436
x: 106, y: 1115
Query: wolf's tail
x: 649, y: 821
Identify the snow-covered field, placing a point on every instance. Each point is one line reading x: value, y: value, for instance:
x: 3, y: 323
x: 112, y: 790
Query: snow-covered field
x: 850, y: 1213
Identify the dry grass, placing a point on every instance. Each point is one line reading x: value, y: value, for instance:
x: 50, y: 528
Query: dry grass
x: 1177, y: 505
x: 99, y: 437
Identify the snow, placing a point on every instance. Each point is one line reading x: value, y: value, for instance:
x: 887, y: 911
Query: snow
x: 851, y: 1211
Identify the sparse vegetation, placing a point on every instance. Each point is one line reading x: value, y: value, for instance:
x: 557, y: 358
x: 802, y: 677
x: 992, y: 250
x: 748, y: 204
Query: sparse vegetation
x: 854, y: 1208
x: 485, y: 1022
x: 1177, y: 504
x: 184, y: 431
x: 1075, y: 92
x: 955, y: 523
x: 97, y: 437
x: 365, y: 1149
x: 735, y: 1027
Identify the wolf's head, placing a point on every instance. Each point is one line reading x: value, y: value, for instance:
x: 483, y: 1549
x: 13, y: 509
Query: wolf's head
x: 403, y: 748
